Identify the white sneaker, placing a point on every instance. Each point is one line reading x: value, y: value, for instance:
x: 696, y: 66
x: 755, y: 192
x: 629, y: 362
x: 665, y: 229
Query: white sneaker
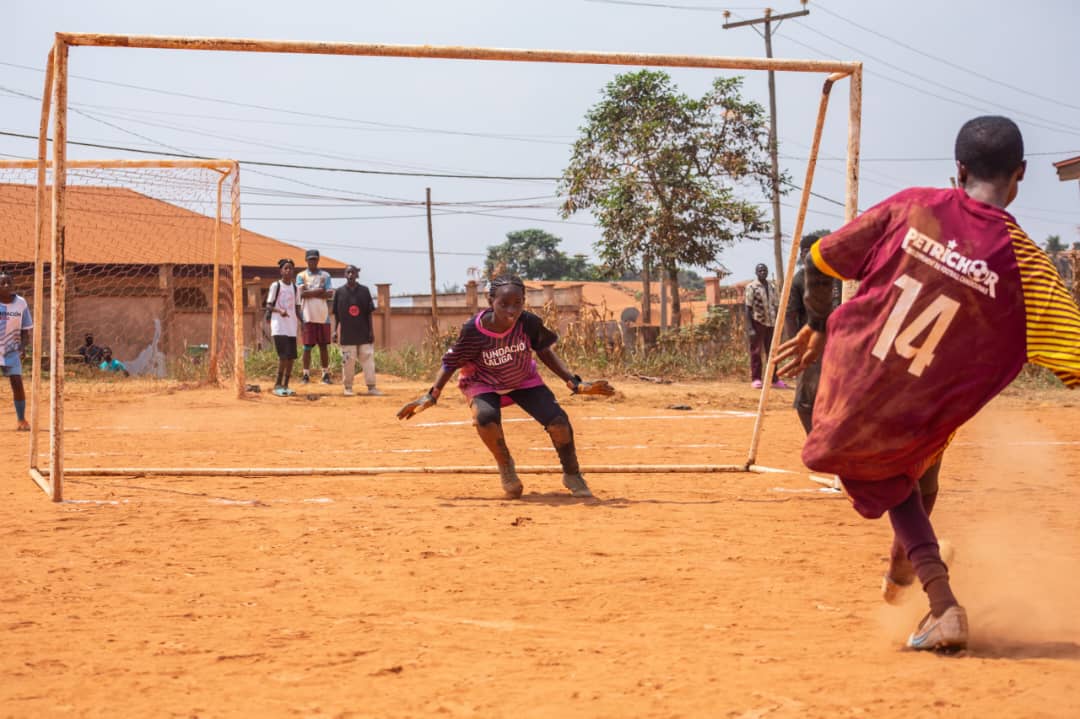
x: 948, y: 632
x: 348, y: 392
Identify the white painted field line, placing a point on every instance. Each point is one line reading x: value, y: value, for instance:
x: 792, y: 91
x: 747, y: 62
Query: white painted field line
x: 714, y: 415
x: 1031, y: 443
x: 632, y: 446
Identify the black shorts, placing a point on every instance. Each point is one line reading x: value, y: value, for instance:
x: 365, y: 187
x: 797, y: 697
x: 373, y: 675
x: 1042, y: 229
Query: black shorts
x: 285, y: 346
x: 539, y: 402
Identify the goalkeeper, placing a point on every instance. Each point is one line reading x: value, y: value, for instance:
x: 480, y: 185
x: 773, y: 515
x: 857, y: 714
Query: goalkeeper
x: 494, y: 352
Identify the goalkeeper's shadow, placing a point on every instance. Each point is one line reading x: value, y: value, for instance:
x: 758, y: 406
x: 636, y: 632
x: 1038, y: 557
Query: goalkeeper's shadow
x: 558, y: 499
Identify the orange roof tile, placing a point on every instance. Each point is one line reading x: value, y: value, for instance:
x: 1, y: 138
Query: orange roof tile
x: 114, y: 225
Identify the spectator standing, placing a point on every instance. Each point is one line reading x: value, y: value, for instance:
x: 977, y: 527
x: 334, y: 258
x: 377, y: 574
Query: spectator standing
x: 283, y: 312
x: 762, y: 306
x: 351, y: 309
x: 15, y: 326
x: 807, y: 384
x: 315, y: 290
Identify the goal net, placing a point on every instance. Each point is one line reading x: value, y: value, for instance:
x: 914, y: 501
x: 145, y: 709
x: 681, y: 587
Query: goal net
x: 148, y: 267
x: 150, y: 273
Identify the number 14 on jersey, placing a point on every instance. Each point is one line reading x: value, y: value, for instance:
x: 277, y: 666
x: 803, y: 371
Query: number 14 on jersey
x: 895, y: 335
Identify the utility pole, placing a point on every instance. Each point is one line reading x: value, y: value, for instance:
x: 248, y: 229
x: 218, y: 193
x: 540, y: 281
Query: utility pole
x: 431, y: 262
x: 767, y: 20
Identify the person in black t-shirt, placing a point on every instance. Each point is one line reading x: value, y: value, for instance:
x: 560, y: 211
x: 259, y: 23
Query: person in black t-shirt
x: 351, y: 311
x: 795, y: 318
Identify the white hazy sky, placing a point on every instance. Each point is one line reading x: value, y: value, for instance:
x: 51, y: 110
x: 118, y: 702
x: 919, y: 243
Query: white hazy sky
x: 930, y: 65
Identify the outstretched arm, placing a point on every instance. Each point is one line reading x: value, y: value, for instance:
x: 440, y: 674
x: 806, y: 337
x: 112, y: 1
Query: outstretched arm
x: 573, y: 382
x: 444, y: 375
x: 430, y: 397
x: 556, y: 365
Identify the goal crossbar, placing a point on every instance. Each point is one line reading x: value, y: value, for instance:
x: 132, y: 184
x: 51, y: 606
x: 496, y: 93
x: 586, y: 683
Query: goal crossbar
x: 449, y: 52
x: 55, y: 98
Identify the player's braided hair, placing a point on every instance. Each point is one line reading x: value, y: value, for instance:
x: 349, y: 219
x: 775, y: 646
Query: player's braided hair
x: 504, y: 280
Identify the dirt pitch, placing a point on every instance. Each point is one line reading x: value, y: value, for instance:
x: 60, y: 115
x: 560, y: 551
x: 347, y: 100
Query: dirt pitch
x: 667, y: 596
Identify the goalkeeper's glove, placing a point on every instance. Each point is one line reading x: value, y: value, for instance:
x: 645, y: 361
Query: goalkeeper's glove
x: 416, y: 406
x: 600, y: 386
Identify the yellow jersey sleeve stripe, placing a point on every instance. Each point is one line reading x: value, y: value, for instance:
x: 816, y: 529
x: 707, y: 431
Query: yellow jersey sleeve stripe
x: 1053, y: 318
x: 821, y: 264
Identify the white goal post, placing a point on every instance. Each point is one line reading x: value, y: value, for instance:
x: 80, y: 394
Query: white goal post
x: 55, y: 101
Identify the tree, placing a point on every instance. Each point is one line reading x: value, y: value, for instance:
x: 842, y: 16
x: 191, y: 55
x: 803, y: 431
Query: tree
x: 1053, y: 245
x: 658, y: 169
x: 535, y: 255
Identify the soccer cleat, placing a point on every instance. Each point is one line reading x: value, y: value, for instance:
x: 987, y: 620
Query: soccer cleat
x: 305, y: 378
x: 289, y: 392
x: 511, y: 485
x: 348, y: 392
x: 281, y: 392
x: 949, y: 632
x: 576, y: 484
x: 326, y: 378
x: 375, y: 392
x: 756, y: 384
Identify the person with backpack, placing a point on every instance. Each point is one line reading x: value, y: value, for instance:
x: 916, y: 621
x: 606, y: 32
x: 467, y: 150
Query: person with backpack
x: 282, y: 311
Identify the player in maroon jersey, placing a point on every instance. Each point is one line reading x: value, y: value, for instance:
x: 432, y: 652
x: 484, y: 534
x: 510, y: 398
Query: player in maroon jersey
x: 953, y: 299
x: 495, y: 355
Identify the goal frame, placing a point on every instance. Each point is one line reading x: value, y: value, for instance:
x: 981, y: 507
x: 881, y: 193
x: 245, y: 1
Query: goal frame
x: 55, y: 100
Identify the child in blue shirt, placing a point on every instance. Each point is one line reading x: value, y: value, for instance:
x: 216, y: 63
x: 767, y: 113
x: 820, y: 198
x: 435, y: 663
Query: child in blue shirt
x: 108, y: 364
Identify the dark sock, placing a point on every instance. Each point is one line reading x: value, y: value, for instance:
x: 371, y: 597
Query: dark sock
x: 20, y: 409
x: 928, y: 501
x: 562, y: 438
x: 913, y: 529
x: 900, y: 569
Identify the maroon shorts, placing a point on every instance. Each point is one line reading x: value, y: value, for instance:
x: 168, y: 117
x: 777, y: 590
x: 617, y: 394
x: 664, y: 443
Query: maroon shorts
x: 873, y: 498
x: 315, y: 333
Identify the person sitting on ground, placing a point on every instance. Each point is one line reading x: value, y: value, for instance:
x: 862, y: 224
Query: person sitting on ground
x: 15, y: 326
x: 90, y: 352
x: 109, y: 364
x: 953, y: 299
x: 495, y: 354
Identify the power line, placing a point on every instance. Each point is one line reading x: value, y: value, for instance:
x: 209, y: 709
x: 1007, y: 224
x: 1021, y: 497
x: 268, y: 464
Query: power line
x: 337, y: 118
x: 295, y: 166
x: 703, y: 8
x: 922, y: 90
x: 1062, y: 127
x: 950, y: 63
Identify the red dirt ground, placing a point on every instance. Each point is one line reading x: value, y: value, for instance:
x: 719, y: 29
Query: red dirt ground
x: 394, y: 596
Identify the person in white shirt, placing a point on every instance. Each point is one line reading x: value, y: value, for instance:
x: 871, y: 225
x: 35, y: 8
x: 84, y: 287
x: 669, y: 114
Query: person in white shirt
x: 315, y: 289
x: 283, y: 311
x: 15, y: 326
